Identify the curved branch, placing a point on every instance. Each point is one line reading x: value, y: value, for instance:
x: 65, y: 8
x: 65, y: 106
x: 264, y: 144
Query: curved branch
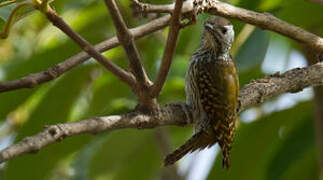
x: 172, y: 114
x: 54, y: 72
x: 262, y: 20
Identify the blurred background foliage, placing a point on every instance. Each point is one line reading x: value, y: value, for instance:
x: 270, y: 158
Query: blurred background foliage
x: 275, y: 140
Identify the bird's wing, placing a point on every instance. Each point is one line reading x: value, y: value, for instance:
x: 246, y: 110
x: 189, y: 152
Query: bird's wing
x: 218, y: 88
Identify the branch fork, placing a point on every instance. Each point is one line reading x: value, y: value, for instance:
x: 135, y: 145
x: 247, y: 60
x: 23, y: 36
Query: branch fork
x: 172, y: 114
x: 179, y: 114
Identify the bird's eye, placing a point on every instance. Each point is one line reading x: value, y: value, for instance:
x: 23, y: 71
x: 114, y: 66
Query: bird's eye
x: 224, y: 30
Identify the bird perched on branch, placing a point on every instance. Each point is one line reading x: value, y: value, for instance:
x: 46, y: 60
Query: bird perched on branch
x: 212, y: 89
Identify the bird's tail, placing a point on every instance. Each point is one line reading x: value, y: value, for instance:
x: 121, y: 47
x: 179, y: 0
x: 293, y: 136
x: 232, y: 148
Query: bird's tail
x: 225, y: 145
x: 199, y: 140
x: 225, y: 157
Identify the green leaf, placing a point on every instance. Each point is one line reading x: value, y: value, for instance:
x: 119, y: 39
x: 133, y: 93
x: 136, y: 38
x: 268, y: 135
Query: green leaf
x: 249, y: 4
x: 267, y: 5
x: 5, y: 12
x: 253, y: 51
x: 2, y: 23
x: 19, y: 12
x: 187, y: 42
x: 175, y: 85
x: 18, y: 67
x: 127, y: 154
x: 293, y: 148
x: 251, y: 74
x: 38, y: 62
x: 305, y: 167
x: 82, y: 159
x: 107, y: 99
x: 296, y: 16
x: 54, y: 107
x: 151, y: 50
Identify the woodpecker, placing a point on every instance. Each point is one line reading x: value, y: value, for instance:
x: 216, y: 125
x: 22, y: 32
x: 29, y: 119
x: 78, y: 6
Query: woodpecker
x: 212, y: 90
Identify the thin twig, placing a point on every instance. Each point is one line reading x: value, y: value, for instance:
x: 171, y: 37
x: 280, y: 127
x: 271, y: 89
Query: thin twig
x: 57, y: 70
x: 87, y: 47
x: 169, y: 50
x: 172, y: 114
x: 127, y: 40
x: 5, y: 3
x: 317, y: 1
x: 148, y: 8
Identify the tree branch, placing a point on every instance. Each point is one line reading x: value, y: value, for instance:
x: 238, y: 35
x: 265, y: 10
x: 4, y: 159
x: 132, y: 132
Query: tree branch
x: 87, y: 47
x: 172, y: 114
x: 169, y: 51
x: 251, y: 17
x: 269, y: 22
x: 127, y: 41
x: 162, y: 8
x: 96, y: 125
x: 291, y: 81
x: 54, y: 72
x: 177, y: 113
x: 317, y: 1
x: 262, y: 20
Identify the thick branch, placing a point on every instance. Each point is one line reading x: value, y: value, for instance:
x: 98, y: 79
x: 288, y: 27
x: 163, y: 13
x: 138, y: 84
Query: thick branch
x: 269, y: 22
x: 58, y: 132
x: 169, y: 49
x: 262, y: 20
x: 291, y: 81
x: 87, y: 47
x: 54, y: 72
x: 127, y: 41
x: 173, y: 114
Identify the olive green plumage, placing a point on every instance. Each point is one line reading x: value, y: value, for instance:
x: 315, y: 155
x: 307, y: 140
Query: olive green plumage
x: 212, y: 89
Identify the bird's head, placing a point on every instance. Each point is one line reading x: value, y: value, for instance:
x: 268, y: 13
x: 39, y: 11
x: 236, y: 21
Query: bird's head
x: 218, y: 34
